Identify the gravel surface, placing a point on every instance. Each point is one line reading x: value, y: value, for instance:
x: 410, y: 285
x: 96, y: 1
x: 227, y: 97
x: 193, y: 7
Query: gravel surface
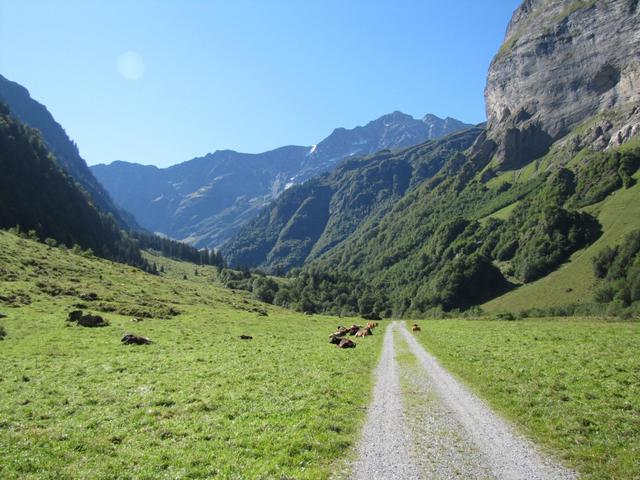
x: 507, y: 455
x: 383, y: 451
x: 441, y: 447
x: 439, y: 430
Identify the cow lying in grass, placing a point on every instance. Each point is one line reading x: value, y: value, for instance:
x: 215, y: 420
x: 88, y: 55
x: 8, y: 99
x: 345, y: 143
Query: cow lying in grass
x: 346, y: 343
x: 364, y: 332
x: 415, y: 328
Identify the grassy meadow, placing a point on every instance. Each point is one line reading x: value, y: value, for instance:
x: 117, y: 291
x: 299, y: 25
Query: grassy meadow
x: 571, y: 384
x: 197, y: 403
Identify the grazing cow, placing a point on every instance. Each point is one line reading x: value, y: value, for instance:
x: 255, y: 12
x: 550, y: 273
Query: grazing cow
x: 415, y: 328
x: 246, y: 337
x: 346, y: 343
x: 131, y: 339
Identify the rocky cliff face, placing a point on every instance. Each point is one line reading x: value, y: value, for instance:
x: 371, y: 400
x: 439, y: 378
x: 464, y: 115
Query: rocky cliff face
x: 562, y: 62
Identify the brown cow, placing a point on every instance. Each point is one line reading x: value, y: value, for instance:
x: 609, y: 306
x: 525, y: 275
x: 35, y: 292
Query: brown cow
x: 415, y: 328
x: 364, y: 332
x: 341, y: 332
x: 346, y: 343
x: 353, y: 329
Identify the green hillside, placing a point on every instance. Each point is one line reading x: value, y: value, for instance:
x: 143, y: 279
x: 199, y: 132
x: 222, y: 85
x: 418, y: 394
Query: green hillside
x: 573, y: 281
x: 37, y: 195
x: 311, y: 219
x: 78, y: 404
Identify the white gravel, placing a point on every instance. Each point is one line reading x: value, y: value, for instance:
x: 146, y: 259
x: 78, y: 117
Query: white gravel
x: 508, y: 455
x: 383, y: 451
x: 447, y: 432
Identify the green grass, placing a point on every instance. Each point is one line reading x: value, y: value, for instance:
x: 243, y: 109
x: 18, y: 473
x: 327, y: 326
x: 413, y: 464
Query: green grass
x: 574, y: 282
x: 197, y: 403
x: 501, y: 214
x: 571, y: 385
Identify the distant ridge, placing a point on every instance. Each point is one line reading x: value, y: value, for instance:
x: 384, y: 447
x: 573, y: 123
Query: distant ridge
x: 206, y: 200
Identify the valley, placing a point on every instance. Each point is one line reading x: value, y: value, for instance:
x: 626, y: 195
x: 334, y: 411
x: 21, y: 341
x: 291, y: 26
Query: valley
x: 412, y: 298
x: 286, y: 403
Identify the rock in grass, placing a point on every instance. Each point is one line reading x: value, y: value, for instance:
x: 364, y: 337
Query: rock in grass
x: 92, y: 321
x: 74, y: 316
x: 86, y: 320
x: 89, y: 297
x: 131, y: 339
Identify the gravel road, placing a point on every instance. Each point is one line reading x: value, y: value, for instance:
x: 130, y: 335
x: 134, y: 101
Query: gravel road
x: 441, y: 430
x: 383, y: 451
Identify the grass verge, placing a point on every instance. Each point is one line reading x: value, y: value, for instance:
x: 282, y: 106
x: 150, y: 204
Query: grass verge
x: 571, y: 385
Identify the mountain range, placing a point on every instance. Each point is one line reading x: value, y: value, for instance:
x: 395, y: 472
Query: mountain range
x: 206, y: 200
x: 401, y: 216
x: 452, y: 223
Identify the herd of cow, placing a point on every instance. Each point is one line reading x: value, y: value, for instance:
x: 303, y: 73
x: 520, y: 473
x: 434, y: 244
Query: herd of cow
x: 338, y: 338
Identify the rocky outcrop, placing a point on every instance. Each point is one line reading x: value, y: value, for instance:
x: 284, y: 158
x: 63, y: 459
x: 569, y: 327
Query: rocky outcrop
x: 562, y: 62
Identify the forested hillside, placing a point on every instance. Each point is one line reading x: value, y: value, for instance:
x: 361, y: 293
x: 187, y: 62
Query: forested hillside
x: 311, y: 219
x: 65, y: 151
x: 35, y: 194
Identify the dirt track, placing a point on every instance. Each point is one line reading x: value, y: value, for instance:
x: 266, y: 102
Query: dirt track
x: 450, y: 433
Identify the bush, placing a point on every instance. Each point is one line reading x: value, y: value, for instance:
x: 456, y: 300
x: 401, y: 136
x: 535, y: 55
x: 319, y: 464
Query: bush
x: 264, y: 289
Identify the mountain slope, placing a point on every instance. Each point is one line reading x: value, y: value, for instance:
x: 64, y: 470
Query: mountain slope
x: 36, y: 115
x: 206, y: 200
x: 37, y: 195
x: 574, y: 282
x: 312, y: 218
x: 514, y: 206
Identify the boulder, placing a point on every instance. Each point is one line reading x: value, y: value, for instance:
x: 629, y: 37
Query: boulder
x: 74, y: 316
x: 92, y: 321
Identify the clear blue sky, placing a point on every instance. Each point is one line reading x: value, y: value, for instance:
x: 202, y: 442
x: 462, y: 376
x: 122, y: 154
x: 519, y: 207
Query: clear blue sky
x: 244, y: 75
